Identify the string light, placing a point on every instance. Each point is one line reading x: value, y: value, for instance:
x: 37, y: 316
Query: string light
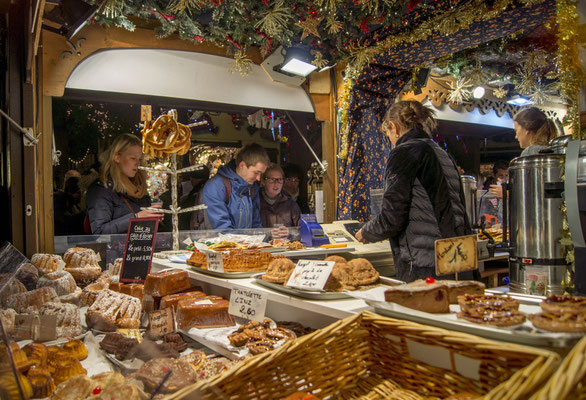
x: 77, y: 162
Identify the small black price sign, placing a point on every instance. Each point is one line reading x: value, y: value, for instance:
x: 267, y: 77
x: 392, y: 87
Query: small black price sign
x: 140, y: 242
x: 248, y: 304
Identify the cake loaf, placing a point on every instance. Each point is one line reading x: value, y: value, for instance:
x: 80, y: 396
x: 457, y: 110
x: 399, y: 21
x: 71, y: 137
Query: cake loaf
x: 159, y: 284
x: 171, y: 300
x: 457, y: 288
x: 431, y: 298
x: 203, y: 313
x: 112, y: 309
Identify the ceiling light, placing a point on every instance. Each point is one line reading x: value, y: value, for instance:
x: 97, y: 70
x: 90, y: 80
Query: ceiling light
x: 72, y: 15
x: 478, y: 93
x: 297, y: 62
x: 518, y: 100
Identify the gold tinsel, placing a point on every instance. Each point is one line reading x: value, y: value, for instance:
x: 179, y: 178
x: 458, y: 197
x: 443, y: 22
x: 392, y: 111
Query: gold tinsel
x: 344, y: 105
x: 569, y: 67
x: 310, y: 27
x: 179, y: 6
x: 272, y: 24
x: 500, y: 93
x: 334, y: 26
x: 111, y: 8
x: 319, y: 61
x: 540, y: 95
x: 528, y: 83
x: 460, y: 92
x: 242, y: 63
x: 331, y: 5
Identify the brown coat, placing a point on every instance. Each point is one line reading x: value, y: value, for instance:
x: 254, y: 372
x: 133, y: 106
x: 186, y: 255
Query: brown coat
x: 284, y: 211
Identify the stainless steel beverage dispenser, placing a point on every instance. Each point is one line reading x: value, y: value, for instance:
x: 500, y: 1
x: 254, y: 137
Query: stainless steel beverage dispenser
x: 469, y: 186
x: 537, y: 261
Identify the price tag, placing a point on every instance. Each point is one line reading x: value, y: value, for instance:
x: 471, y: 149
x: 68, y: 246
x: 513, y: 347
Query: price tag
x: 162, y: 321
x: 130, y: 333
x: 311, y: 274
x: 214, y: 261
x: 138, y: 253
x: 188, y: 241
x: 457, y: 254
x: 35, y: 327
x: 248, y: 304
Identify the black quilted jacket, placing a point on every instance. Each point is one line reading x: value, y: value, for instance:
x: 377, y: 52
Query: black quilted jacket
x: 423, y: 202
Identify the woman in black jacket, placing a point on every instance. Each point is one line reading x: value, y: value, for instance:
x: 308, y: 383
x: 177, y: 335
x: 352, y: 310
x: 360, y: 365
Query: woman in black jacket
x: 121, y: 190
x: 422, y: 199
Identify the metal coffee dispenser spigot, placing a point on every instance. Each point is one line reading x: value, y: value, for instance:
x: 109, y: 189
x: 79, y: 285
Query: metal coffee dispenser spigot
x: 537, y: 262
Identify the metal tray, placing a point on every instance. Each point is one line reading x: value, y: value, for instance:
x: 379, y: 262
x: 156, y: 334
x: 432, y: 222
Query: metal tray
x: 228, y: 275
x: 316, y: 294
x: 522, y: 334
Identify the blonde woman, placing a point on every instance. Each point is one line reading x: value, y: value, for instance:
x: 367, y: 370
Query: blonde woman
x: 120, y: 191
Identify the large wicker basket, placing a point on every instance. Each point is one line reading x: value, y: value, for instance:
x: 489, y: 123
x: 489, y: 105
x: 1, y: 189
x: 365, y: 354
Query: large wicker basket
x: 569, y: 381
x: 367, y: 356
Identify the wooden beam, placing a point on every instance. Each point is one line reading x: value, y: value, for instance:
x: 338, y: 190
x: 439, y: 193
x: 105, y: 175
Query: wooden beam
x: 60, y: 57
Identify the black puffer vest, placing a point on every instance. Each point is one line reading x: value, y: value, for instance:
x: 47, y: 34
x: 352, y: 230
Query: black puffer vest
x: 423, y: 202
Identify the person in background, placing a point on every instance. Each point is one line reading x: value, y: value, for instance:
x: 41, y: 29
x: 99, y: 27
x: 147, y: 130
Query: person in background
x: 423, y: 199
x: 69, y: 216
x: 198, y: 179
x: 500, y: 173
x: 121, y: 190
x: 232, y: 196
x: 276, y: 206
x: 293, y: 185
x: 533, y: 130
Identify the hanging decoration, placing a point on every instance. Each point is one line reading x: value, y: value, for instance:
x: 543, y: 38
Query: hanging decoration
x: 213, y: 157
x: 500, y: 93
x: 460, y: 91
x: 157, y: 176
x: 319, y: 61
x: 274, y: 20
x: 75, y: 163
x: 309, y: 27
x: 242, y: 63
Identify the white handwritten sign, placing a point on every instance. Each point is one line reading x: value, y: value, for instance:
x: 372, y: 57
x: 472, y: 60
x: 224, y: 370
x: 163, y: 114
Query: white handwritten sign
x: 248, y: 304
x: 311, y: 274
x: 214, y: 261
x: 457, y: 254
x: 162, y: 321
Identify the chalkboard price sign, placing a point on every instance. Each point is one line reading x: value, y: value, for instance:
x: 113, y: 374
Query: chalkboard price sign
x: 140, y: 242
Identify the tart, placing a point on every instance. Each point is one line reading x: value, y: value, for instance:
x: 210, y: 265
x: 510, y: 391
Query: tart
x: 559, y: 321
x: 493, y: 316
x: 563, y: 304
x: 76, y: 348
x: 195, y: 358
x: 152, y: 372
x: 67, y: 367
x: 472, y: 301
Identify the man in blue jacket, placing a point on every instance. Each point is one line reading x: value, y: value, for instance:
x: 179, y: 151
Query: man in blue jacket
x: 232, y: 196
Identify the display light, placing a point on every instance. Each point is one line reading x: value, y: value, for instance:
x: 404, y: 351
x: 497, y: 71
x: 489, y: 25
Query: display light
x: 518, y: 100
x: 297, y: 62
x: 478, y: 93
x: 72, y: 15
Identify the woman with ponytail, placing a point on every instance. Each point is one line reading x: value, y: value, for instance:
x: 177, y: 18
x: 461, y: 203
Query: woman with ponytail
x: 533, y: 130
x: 423, y: 200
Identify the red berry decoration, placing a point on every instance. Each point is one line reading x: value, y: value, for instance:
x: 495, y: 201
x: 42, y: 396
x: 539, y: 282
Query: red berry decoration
x: 429, y: 279
x: 97, y: 390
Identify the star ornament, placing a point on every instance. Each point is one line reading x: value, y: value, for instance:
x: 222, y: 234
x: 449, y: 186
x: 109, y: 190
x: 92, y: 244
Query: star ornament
x: 310, y: 27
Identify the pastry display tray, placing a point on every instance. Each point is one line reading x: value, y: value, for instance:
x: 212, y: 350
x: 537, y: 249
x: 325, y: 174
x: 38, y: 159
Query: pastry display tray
x: 317, y: 294
x: 228, y: 275
x: 525, y: 333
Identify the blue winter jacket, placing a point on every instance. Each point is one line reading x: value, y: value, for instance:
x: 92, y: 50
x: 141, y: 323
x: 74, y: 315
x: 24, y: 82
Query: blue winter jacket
x: 243, y: 208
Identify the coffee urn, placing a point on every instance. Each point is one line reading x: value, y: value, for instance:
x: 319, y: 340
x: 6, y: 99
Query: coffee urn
x: 537, y: 260
x: 469, y: 186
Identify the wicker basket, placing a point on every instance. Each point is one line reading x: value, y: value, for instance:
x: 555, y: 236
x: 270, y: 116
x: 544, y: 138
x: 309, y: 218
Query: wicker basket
x: 367, y: 356
x: 569, y: 381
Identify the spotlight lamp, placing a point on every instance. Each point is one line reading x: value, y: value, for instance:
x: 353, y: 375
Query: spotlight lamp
x: 478, y: 93
x: 297, y: 62
x: 518, y: 100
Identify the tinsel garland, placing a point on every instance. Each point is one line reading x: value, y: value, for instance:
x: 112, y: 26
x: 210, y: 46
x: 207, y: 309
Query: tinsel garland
x: 344, y: 106
x: 571, y: 74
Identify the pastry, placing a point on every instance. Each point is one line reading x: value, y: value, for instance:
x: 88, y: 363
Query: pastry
x: 90, y: 293
x: 340, y: 279
x: 78, y: 387
x: 83, y: 264
x: 47, y: 263
x: 457, y: 288
x: 64, y: 285
x: 431, y: 298
x: 67, y: 367
x: 197, y: 259
x: 68, y: 320
x: 112, y: 385
x: 118, y: 345
x: 36, y: 351
x: 116, y: 266
x: 564, y: 304
x: 295, y: 245
x: 77, y: 349
x: 13, y: 287
x: 279, y: 271
x: 175, y: 340
x: 148, y: 349
x: 153, y: 371
x: 171, y: 300
x: 195, y: 358
x: 9, y: 388
x: 337, y: 259
x: 199, y: 313
x: 362, y: 271
x: 28, y: 275
x: 470, y: 302
x: 493, y: 316
x: 112, y: 309
x: 162, y: 283
x: 559, y: 321
x: 214, y: 366
x: 42, y: 384
x: 19, y: 357
x: 34, y: 299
